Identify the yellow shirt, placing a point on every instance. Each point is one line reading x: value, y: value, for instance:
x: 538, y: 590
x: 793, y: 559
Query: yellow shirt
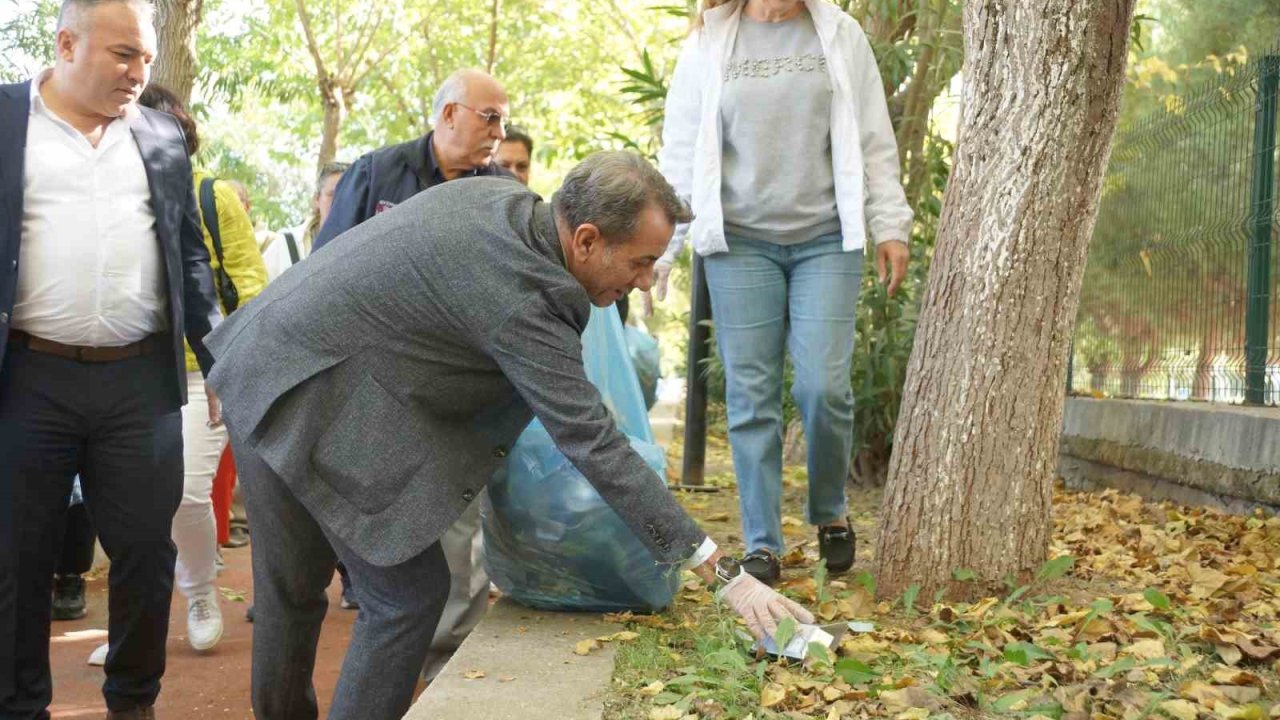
x: 239, y: 247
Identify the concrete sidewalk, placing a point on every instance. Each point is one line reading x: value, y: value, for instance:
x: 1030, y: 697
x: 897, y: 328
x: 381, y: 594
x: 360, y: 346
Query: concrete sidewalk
x: 530, y: 670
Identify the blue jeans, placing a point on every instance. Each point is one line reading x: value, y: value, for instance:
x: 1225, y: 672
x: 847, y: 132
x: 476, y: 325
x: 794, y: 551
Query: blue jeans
x: 804, y: 297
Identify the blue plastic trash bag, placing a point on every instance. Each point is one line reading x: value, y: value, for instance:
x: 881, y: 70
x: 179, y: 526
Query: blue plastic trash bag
x: 648, y: 362
x: 551, y: 541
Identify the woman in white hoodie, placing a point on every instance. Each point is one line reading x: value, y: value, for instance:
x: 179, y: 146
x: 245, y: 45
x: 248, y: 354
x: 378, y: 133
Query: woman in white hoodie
x: 778, y: 133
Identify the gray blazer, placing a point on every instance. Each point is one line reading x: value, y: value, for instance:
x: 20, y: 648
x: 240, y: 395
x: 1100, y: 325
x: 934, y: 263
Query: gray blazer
x: 385, y: 378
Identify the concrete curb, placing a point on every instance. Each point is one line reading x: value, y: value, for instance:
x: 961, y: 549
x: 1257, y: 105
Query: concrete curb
x: 530, y: 669
x: 1191, y: 452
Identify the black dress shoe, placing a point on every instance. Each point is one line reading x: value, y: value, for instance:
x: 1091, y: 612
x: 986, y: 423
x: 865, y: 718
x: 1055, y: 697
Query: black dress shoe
x: 763, y: 565
x: 68, y: 597
x: 836, y: 545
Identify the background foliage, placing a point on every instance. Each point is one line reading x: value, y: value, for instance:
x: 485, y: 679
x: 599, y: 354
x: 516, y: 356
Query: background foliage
x: 585, y: 76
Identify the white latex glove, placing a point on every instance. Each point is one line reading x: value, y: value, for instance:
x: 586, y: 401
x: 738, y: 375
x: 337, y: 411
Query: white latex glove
x: 760, y: 605
x: 661, y: 272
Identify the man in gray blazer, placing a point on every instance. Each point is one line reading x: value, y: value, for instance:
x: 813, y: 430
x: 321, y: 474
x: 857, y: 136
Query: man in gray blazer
x: 371, y: 392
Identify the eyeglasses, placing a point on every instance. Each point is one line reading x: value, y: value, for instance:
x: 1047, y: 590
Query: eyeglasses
x: 492, y: 119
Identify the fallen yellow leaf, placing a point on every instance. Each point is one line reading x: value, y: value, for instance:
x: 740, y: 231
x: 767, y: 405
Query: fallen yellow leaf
x: 772, y: 694
x: 1146, y: 649
x: 666, y: 712
x: 896, y: 701
x: 473, y: 674
x: 1243, y: 712
x: 1180, y: 709
x: 929, y: 636
x: 1239, y: 694
x: 1202, y: 693
x: 1204, y: 581
x: 1234, y: 676
x: 586, y: 646
x: 653, y: 688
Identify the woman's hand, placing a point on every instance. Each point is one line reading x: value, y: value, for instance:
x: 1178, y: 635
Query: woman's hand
x: 891, y: 263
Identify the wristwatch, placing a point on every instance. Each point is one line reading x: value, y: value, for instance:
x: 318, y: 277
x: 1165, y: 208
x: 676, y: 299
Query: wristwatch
x: 727, y: 569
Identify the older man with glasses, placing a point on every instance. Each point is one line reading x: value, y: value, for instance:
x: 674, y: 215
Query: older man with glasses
x: 469, y: 116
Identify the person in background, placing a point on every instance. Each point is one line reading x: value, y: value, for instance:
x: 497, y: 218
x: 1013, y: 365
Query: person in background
x: 286, y: 248
x: 515, y: 153
x: 75, y: 558
x: 104, y: 274
x: 193, y: 525
x: 777, y: 130
x: 469, y: 116
x: 260, y: 232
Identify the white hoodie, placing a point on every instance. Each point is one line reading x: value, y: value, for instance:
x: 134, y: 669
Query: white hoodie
x: 864, y: 153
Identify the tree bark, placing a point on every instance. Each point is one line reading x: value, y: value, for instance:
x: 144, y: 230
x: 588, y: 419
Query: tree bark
x: 493, y: 37
x: 334, y: 102
x: 975, y: 453
x: 176, y: 22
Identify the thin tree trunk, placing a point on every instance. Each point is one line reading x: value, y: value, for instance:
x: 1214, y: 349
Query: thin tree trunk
x: 975, y: 454
x: 335, y: 111
x: 493, y: 38
x: 935, y: 67
x: 176, y: 22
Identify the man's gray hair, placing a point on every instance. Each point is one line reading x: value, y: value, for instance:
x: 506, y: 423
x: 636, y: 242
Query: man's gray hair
x: 611, y: 189
x: 452, y: 90
x: 73, y: 12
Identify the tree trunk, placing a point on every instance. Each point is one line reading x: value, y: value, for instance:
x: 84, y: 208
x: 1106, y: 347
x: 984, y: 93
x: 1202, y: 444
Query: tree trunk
x: 932, y: 74
x: 335, y: 111
x: 175, y: 65
x: 975, y: 454
x: 493, y: 37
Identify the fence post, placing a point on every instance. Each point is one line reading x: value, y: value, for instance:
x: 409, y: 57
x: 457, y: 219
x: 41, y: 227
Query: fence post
x: 1071, y: 364
x: 1261, y: 199
x: 695, y: 404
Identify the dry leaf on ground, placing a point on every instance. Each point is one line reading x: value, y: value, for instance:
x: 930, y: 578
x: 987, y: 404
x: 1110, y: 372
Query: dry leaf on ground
x: 585, y: 647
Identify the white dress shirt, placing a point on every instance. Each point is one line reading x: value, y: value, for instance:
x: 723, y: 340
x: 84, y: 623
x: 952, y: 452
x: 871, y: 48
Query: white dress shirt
x: 90, y: 269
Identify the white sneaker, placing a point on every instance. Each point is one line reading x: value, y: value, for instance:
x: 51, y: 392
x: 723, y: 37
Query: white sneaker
x: 204, y: 621
x: 98, y: 657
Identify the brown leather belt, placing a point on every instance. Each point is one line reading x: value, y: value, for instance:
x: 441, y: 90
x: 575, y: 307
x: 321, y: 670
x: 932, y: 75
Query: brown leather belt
x: 145, y: 346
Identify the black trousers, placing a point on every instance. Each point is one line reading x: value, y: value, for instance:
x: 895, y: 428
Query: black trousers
x: 119, y: 427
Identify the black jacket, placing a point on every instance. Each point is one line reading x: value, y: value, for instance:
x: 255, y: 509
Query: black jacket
x: 383, y: 179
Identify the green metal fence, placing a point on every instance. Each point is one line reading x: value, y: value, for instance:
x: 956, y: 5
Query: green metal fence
x: 1179, y: 298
